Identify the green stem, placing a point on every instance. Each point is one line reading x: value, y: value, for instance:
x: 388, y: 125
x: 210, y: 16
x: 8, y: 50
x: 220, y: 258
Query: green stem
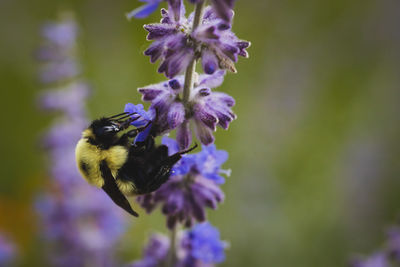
x: 172, y: 250
x: 190, y: 70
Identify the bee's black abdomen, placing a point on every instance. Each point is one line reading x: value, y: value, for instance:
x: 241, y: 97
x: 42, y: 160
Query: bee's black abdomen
x: 148, y: 167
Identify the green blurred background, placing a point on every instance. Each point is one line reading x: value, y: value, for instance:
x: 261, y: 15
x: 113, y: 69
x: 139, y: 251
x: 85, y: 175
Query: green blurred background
x: 314, y: 152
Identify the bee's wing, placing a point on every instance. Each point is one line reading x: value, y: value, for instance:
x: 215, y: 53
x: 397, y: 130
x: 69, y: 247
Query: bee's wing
x: 112, y: 190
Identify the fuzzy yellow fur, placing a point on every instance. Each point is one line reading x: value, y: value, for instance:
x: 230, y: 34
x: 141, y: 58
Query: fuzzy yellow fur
x: 92, y: 156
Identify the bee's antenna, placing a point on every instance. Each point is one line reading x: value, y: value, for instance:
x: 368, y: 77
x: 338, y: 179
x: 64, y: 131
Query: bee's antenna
x: 123, y: 113
x: 188, y: 150
x: 127, y: 115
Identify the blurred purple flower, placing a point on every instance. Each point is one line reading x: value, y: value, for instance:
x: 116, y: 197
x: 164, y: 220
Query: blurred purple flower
x: 378, y: 259
x: 155, y: 253
x: 207, y: 109
x: 187, y: 193
x: 198, y: 247
x: 57, y: 53
x: 65, y: 99
x: 393, y: 242
x: 7, y: 251
x: 176, y: 45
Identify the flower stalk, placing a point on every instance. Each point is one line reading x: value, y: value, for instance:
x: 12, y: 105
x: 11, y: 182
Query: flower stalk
x: 190, y: 71
x: 172, y: 250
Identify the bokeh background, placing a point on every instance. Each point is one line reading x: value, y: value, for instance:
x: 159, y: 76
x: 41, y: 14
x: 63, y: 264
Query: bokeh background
x: 314, y: 152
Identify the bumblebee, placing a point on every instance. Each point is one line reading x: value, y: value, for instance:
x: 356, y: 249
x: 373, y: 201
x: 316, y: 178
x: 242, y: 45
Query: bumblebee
x: 111, y: 161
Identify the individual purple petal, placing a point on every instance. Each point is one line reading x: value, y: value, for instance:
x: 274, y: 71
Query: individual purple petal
x: 184, y: 135
x: 145, y: 10
x: 203, y: 133
x: 223, y: 8
x: 177, y: 8
x: 171, y: 144
x: 209, y: 62
x: 158, y: 30
x: 202, y: 114
x: 144, y: 116
x: 178, y: 62
x: 212, y: 81
x: 176, y: 114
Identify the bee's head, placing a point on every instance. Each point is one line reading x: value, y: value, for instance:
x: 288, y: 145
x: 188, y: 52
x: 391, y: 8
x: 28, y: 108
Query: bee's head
x: 104, y: 130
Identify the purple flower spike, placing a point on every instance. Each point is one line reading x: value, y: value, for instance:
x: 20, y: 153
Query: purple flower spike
x: 184, y: 199
x: 203, y: 244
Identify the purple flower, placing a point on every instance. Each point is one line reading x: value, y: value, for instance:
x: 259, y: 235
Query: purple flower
x: 203, y: 244
x: 378, y: 259
x: 188, y: 192
x: 142, y: 119
x: 206, y: 163
x: 206, y: 108
x: 155, y: 252
x: 183, y: 199
x: 7, y: 251
x: 176, y: 45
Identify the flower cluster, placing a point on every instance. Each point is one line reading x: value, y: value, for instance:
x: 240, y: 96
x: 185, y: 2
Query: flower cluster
x: 7, y: 251
x: 177, y: 44
x: 386, y: 257
x: 79, y: 222
x: 192, y: 187
x: 205, y: 108
x: 200, y: 246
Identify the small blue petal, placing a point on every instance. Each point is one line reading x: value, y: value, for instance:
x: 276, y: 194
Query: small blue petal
x: 143, y: 11
x: 143, y: 135
x: 172, y: 145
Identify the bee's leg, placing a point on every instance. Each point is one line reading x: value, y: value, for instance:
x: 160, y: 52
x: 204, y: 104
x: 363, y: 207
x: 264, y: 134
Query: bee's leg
x: 157, y: 178
x: 162, y: 171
